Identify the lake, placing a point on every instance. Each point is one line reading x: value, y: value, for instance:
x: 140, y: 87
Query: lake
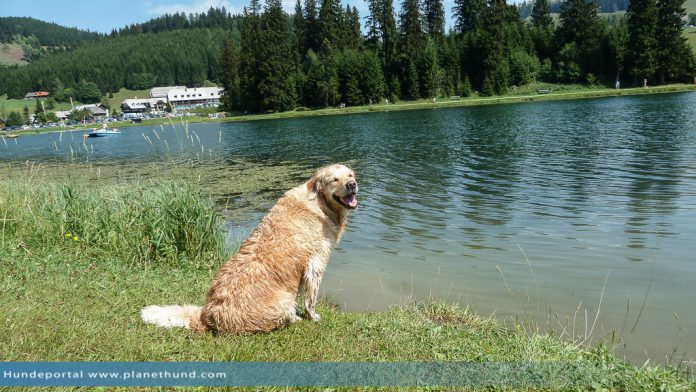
x: 571, y: 216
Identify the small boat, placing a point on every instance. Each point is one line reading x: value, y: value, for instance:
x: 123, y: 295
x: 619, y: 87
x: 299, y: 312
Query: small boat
x: 103, y: 132
x: 11, y: 136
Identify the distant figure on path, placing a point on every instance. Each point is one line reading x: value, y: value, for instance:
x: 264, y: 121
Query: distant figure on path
x: 618, y: 85
x: 645, y: 83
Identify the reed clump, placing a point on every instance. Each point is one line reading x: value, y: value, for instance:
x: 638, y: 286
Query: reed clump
x: 139, y: 222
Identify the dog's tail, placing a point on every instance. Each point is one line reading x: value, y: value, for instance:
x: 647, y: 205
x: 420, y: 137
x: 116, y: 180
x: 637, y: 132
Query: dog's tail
x: 186, y: 316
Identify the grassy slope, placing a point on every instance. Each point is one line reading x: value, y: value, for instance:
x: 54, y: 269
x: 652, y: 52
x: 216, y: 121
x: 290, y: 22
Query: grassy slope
x: 690, y: 6
x: 11, y: 54
x: 78, y: 299
x: 17, y: 105
x: 124, y: 94
x: 690, y: 35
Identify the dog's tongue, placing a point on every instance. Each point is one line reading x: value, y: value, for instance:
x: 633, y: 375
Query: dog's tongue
x: 350, y: 200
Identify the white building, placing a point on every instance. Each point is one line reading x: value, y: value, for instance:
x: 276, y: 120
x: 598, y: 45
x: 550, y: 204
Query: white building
x: 179, y: 96
x: 143, y: 105
x: 161, y: 92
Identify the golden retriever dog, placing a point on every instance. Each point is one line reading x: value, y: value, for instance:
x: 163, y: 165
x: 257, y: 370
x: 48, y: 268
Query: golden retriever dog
x: 286, y: 254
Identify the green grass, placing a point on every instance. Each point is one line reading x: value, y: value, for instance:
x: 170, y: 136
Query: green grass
x: 17, y: 105
x: 124, y: 94
x: 11, y: 54
x: 690, y: 6
x: 137, y: 243
x: 690, y: 35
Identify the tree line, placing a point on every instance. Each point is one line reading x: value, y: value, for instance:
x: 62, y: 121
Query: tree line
x: 47, y: 34
x: 325, y: 54
x: 137, y: 62
x: 605, y: 6
x: 320, y: 57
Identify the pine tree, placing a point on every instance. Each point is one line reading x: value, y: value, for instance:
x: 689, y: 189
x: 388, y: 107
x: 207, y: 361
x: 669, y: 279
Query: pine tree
x: 674, y: 57
x: 581, y: 27
x: 312, y: 39
x: 434, y: 19
x: 642, y: 44
x: 430, y: 72
x: 352, y: 35
x: 249, y: 58
x: 541, y: 14
x: 276, y: 78
x: 468, y: 15
x: 411, y: 45
x: 229, y: 74
x: 298, y: 21
x: 412, y: 40
x: 329, y: 23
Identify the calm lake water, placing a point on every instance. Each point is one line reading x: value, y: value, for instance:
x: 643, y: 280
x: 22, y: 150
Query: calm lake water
x: 548, y: 212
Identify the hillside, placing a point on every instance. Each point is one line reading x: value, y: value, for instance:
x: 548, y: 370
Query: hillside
x: 690, y: 6
x: 184, y: 57
x: 47, y: 34
x: 605, y: 6
x: 11, y: 54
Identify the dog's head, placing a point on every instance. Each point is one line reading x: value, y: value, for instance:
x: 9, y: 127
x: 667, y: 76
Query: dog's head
x: 337, y: 185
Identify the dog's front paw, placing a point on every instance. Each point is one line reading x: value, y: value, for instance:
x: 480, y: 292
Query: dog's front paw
x: 314, y: 316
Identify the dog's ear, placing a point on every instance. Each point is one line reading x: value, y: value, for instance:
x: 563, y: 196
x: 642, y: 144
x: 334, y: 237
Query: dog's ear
x: 314, y: 185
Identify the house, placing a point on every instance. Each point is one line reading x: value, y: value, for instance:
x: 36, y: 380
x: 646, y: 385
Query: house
x: 143, y: 105
x: 195, y: 96
x: 95, y: 110
x: 36, y: 94
x: 161, y: 92
x: 62, y: 114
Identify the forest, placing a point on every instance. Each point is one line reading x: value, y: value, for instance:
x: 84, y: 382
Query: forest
x: 605, y: 6
x: 47, y: 34
x: 326, y: 59
x: 324, y: 54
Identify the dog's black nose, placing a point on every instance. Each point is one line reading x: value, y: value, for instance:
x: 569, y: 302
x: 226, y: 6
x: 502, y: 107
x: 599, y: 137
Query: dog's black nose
x: 352, y: 185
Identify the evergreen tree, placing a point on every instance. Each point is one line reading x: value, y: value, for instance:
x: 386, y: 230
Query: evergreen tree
x: 14, y: 119
x: 249, y: 58
x: 352, y: 35
x: 276, y: 78
x: 468, y: 15
x: 300, y: 31
x: 542, y: 28
x: 434, y: 19
x: 412, y: 43
x: 430, y: 72
x: 641, y: 50
x: 674, y: 59
x: 312, y: 38
x: 581, y: 27
x: 412, y: 37
x: 329, y: 23
x: 541, y: 14
x: 229, y: 74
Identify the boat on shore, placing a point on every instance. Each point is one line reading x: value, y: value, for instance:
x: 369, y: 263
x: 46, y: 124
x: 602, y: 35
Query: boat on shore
x: 11, y: 136
x: 104, y: 131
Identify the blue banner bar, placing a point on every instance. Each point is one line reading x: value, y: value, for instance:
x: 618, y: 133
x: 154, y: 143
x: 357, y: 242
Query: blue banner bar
x: 295, y: 374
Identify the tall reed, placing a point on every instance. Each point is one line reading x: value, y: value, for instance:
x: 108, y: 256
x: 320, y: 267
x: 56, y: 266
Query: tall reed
x: 139, y: 222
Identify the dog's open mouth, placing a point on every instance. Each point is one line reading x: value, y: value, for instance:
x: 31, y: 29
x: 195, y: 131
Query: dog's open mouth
x: 348, y: 201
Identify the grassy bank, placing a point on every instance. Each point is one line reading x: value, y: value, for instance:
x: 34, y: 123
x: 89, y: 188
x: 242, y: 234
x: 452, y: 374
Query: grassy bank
x: 78, y: 260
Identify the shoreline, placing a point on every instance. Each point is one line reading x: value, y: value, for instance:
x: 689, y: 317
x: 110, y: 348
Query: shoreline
x: 101, y: 275
x: 399, y: 106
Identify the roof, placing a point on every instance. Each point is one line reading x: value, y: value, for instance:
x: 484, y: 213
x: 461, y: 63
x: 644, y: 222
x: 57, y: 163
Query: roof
x: 161, y: 92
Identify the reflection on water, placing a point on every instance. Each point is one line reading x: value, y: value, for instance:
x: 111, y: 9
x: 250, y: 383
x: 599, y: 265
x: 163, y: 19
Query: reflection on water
x: 517, y: 209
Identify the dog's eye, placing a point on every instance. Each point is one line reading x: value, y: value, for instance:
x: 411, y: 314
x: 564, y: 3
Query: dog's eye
x: 334, y: 180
